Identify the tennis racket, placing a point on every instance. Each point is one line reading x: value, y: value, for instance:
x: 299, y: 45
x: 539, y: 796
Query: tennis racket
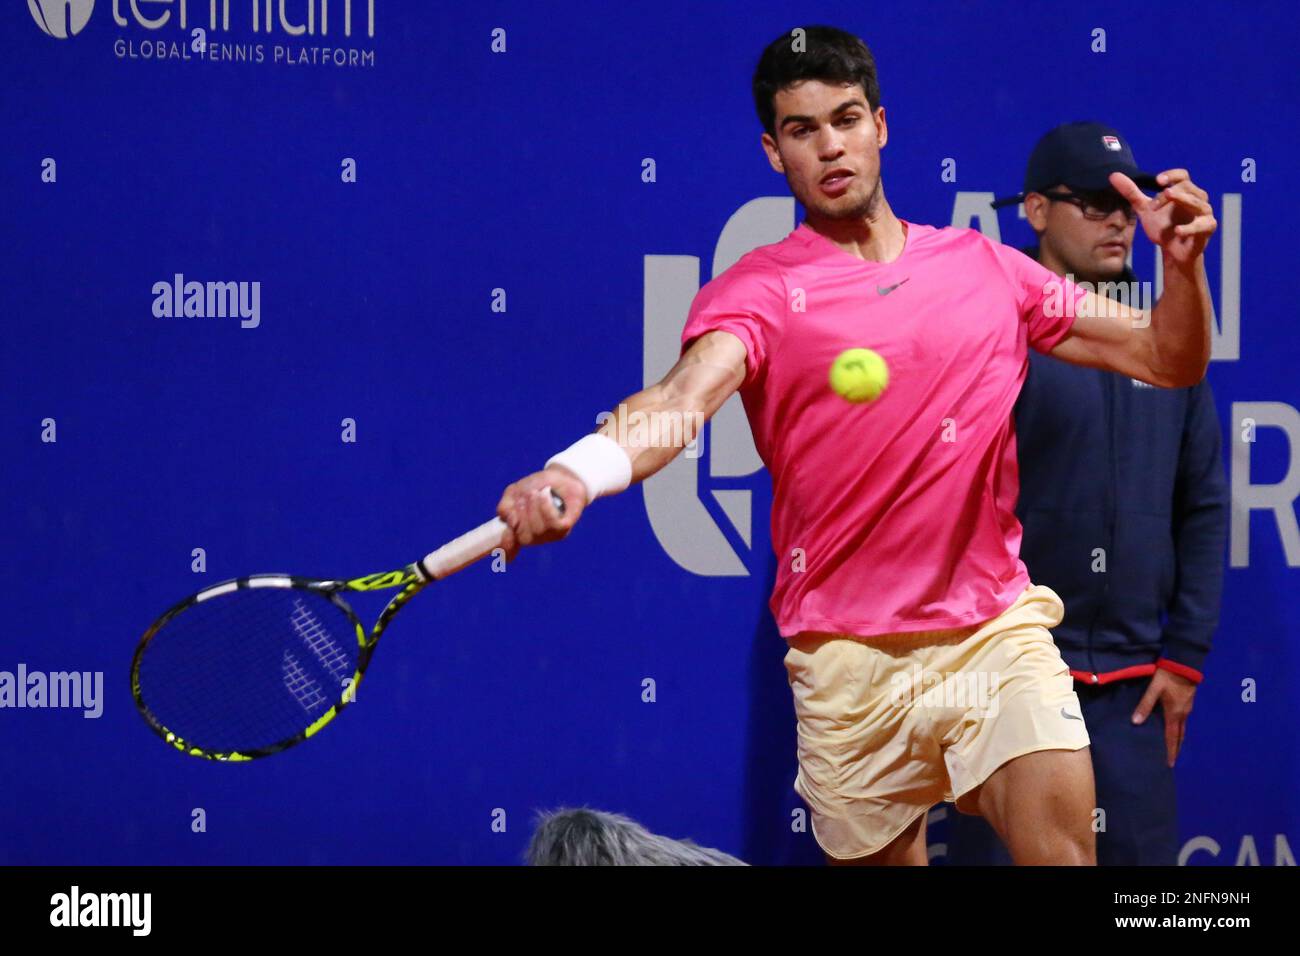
x: 252, y: 666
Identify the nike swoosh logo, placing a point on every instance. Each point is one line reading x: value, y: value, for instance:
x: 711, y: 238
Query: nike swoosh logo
x: 1070, y: 716
x: 885, y: 290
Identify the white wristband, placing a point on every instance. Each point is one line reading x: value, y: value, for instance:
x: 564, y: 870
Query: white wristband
x: 600, y: 462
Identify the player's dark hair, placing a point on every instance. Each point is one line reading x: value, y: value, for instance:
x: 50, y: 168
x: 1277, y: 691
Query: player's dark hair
x: 812, y: 53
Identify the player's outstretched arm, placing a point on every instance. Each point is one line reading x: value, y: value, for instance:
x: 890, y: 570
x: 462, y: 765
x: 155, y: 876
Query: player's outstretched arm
x: 643, y: 434
x: 1169, y: 345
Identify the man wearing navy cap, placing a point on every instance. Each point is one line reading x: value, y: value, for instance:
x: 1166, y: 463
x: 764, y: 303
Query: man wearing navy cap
x: 1124, y: 507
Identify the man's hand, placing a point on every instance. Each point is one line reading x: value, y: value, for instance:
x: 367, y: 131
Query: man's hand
x: 1169, y: 345
x: 1174, y: 694
x: 529, y: 513
x: 1178, y: 219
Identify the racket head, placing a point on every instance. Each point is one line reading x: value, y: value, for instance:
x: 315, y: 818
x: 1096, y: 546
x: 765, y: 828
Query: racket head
x: 252, y: 666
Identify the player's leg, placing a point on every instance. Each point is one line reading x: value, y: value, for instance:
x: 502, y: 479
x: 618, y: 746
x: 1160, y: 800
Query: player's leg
x: 870, y: 766
x: 1021, y: 759
x: 1041, y: 804
x: 906, y: 849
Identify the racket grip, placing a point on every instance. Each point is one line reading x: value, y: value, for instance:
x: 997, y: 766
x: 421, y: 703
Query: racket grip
x: 470, y: 546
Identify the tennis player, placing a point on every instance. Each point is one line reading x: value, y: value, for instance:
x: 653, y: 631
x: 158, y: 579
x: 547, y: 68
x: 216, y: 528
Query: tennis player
x: 893, y: 521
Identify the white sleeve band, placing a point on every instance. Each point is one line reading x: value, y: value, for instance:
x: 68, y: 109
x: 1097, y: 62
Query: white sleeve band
x: 600, y: 462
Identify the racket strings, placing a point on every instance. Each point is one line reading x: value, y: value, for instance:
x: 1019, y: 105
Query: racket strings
x: 250, y: 669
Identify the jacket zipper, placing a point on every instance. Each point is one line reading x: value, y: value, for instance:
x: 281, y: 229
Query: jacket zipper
x: 1109, y: 384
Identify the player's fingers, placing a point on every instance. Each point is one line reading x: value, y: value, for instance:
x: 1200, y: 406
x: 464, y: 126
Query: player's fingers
x: 1129, y: 190
x: 1194, y: 189
x: 1189, y: 197
x: 1174, y: 740
x: 519, y: 520
x: 534, y: 513
x: 1146, y: 704
x: 1200, y: 226
x: 1178, y: 195
x: 1173, y: 736
x: 507, y: 502
x: 1171, y: 176
x: 508, y: 513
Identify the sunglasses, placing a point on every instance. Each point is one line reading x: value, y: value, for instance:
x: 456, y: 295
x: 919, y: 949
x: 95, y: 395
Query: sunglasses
x: 1096, y: 206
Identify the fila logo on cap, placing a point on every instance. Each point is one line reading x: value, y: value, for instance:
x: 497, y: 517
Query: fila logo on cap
x: 1112, y: 143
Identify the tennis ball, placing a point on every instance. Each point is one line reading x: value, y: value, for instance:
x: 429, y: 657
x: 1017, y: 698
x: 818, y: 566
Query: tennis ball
x: 859, y: 375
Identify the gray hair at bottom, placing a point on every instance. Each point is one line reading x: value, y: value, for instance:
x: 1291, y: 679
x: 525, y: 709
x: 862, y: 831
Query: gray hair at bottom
x: 585, y: 837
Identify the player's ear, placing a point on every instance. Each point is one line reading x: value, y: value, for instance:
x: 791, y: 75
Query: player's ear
x: 882, y: 128
x: 1036, y: 211
x: 773, y: 154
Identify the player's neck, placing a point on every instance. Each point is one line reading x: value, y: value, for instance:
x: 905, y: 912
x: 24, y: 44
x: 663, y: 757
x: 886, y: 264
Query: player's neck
x: 879, y: 236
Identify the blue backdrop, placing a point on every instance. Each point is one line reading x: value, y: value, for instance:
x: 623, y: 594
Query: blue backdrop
x: 500, y: 154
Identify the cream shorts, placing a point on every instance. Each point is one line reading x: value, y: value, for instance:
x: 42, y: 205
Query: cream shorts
x: 888, y: 726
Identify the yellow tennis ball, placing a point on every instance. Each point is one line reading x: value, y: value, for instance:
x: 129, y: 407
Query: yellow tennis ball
x: 859, y: 375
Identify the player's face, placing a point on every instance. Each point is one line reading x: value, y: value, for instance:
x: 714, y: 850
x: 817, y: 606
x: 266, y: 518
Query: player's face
x: 1090, y: 249
x: 821, y: 128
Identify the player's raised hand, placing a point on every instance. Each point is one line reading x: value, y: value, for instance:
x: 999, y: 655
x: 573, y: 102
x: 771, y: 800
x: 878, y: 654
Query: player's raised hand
x: 1179, y: 218
x: 530, y: 515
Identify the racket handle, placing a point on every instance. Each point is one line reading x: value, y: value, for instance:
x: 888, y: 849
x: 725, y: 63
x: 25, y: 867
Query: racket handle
x: 470, y: 546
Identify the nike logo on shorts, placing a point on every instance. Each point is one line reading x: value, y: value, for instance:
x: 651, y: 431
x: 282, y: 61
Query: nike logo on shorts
x: 1070, y: 716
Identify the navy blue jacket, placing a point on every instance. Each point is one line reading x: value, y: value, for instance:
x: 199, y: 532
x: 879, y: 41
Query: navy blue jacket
x: 1136, y: 471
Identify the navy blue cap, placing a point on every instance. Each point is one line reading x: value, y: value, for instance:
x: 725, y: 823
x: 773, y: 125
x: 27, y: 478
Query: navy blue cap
x: 1081, y: 156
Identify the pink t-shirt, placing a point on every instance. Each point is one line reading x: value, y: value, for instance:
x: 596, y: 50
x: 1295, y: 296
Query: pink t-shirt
x: 896, y: 515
